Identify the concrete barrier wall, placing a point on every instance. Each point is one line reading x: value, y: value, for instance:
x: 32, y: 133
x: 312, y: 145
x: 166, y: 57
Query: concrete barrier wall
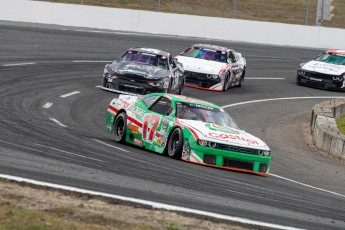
x: 324, y: 129
x: 171, y: 24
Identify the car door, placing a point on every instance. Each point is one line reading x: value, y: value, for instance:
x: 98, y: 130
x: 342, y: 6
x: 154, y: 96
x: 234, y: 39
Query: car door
x: 176, y: 74
x: 235, y: 66
x: 154, y: 132
x: 135, y: 119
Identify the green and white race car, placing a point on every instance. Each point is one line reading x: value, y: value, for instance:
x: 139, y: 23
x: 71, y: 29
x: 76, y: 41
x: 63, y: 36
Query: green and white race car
x: 186, y: 128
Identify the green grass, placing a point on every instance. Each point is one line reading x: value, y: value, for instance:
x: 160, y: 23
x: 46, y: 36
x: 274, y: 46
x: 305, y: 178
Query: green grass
x: 341, y: 124
x: 13, y: 217
x: 284, y: 11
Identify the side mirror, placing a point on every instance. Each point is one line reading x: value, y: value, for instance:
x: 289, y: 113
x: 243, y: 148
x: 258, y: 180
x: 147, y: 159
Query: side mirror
x: 239, y: 54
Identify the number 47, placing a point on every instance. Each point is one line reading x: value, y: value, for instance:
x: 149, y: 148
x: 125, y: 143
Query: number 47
x: 151, y: 122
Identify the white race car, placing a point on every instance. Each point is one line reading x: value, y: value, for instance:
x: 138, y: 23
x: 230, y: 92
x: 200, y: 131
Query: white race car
x: 327, y: 71
x: 212, y: 67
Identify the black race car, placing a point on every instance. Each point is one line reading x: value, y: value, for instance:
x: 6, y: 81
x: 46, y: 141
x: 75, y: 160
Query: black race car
x: 142, y: 71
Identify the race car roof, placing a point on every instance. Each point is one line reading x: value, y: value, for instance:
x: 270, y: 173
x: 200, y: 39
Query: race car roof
x: 213, y: 47
x: 334, y: 51
x: 150, y: 51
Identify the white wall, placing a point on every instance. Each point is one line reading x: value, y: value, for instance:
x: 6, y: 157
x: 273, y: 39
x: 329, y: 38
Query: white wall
x: 171, y: 24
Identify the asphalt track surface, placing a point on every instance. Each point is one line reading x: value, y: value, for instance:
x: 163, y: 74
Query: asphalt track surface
x: 63, y: 140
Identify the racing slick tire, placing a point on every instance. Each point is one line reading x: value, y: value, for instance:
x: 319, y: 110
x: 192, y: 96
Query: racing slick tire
x: 120, y: 127
x: 298, y: 81
x: 168, y: 90
x: 175, y: 144
x: 226, y: 82
x: 242, y: 78
x: 180, y: 91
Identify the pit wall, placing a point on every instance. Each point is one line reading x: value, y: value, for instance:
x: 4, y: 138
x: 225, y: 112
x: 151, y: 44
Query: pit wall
x: 324, y: 129
x: 171, y: 24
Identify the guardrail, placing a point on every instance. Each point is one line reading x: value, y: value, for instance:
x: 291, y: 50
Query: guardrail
x: 171, y: 24
x: 324, y: 129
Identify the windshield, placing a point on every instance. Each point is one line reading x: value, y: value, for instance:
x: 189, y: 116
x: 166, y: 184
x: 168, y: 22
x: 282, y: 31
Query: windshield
x: 145, y: 58
x: 207, y: 54
x: 332, y: 59
x: 190, y: 111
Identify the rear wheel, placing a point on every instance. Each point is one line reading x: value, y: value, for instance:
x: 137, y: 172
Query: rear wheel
x: 175, y: 144
x: 120, y: 127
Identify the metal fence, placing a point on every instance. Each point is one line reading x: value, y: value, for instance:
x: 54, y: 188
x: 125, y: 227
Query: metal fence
x: 304, y: 12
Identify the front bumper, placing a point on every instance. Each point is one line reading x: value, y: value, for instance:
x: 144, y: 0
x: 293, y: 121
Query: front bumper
x: 320, y: 81
x: 229, y: 160
x: 122, y: 85
x: 201, y: 81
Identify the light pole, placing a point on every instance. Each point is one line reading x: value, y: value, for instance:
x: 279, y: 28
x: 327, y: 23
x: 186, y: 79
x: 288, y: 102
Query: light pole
x: 81, y: 2
x: 234, y: 12
x: 159, y: 5
x: 307, y: 13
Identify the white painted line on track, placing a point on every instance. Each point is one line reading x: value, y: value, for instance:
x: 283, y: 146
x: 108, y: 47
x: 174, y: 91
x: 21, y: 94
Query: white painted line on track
x: 47, y: 105
x: 150, y: 203
x: 20, y: 64
x: 63, y: 151
x: 306, y: 185
x: 264, y: 78
x: 91, y: 61
x: 57, y: 122
x: 279, y: 99
x: 290, y: 98
x: 98, y: 86
x: 69, y: 94
x: 112, y: 146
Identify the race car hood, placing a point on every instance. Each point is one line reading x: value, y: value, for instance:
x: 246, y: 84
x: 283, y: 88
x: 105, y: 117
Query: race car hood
x: 224, y: 135
x: 201, y: 65
x: 325, y: 68
x: 137, y: 69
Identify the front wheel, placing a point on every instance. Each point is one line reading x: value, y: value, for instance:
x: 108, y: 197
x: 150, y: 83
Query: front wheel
x: 242, y: 78
x: 226, y: 82
x: 120, y: 126
x: 175, y: 144
x: 180, y: 91
x: 168, y: 90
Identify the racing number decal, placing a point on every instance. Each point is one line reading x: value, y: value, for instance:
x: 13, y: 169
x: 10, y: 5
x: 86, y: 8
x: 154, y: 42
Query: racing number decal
x: 151, y: 122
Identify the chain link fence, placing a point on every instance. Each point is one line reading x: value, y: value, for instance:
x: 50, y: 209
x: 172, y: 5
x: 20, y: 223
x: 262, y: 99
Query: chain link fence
x: 302, y: 12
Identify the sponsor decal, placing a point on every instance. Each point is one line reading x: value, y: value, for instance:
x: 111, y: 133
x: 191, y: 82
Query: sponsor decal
x: 163, y: 144
x: 165, y: 122
x: 138, y: 112
x: 122, y: 103
x: 216, y: 127
x: 131, y: 71
x: 133, y: 128
x: 202, y: 106
x: 159, y: 141
x: 137, y: 142
x: 226, y: 137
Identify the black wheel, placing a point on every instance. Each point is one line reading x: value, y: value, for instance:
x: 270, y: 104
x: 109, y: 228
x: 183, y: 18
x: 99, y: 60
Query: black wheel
x: 120, y: 126
x: 104, y: 82
x: 298, y: 81
x: 226, y: 82
x: 180, y: 91
x: 175, y: 144
x: 168, y: 90
x: 242, y: 78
